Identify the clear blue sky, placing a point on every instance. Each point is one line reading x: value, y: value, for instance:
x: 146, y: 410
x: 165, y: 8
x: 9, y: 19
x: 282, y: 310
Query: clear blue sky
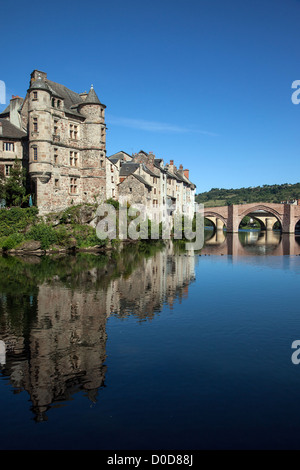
x: 204, y: 82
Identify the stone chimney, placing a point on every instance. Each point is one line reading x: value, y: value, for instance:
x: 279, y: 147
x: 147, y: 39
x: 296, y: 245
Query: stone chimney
x: 14, y: 115
x: 186, y: 173
x: 180, y: 169
x: 171, y: 166
x: 146, y: 158
x: 150, y: 161
x: 83, y: 95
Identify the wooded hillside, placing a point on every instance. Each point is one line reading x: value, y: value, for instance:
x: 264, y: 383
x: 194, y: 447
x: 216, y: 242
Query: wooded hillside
x: 267, y: 193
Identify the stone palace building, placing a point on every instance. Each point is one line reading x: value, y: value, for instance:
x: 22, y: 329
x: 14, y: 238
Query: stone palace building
x: 60, y: 138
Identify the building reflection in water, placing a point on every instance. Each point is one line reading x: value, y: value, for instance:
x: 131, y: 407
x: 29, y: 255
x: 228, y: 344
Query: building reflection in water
x: 55, y: 330
x: 53, y: 313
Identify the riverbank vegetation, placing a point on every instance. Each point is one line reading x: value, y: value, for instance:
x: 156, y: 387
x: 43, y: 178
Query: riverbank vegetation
x: 73, y: 229
x: 24, y: 229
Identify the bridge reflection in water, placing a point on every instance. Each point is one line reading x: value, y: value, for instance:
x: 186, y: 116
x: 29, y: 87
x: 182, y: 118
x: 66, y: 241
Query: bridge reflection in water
x: 251, y: 243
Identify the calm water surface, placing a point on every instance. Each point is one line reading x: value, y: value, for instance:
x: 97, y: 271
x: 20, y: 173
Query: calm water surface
x: 153, y: 348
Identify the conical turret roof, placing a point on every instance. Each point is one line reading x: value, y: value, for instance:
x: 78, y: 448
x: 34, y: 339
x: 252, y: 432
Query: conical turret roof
x: 92, y: 97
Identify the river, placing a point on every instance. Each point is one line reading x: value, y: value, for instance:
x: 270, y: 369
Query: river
x: 154, y: 347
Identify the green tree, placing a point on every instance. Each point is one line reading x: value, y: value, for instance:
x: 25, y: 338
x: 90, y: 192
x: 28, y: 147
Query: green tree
x: 13, y: 187
x: 2, y: 186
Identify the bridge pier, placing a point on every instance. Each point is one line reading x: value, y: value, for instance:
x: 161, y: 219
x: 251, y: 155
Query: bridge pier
x: 269, y: 224
x: 219, y: 224
x: 288, y: 224
x: 233, y: 219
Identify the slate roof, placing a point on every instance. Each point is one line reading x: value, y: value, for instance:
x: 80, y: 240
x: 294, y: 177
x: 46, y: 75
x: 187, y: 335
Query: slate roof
x: 71, y: 99
x: 147, y: 170
x: 113, y: 160
x: 171, y: 175
x: 180, y: 177
x: 6, y: 110
x: 11, y: 131
x: 128, y: 168
x: 39, y: 84
x: 119, y: 155
x: 92, y: 97
x: 184, y: 179
x: 142, y: 180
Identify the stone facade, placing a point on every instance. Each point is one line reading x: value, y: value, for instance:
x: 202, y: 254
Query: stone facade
x: 112, y: 178
x: 160, y: 187
x: 64, y: 134
x: 12, y: 138
x: 60, y: 137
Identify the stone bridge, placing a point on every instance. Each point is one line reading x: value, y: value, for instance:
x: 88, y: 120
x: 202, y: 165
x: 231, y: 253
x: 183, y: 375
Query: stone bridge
x: 267, y: 214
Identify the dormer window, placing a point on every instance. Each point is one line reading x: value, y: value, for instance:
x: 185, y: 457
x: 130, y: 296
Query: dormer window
x: 55, y: 103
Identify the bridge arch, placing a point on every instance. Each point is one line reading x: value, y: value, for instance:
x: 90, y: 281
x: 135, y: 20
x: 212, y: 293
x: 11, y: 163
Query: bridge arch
x: 261, y: 207
x: 209, y: 214
x: 261, y: 223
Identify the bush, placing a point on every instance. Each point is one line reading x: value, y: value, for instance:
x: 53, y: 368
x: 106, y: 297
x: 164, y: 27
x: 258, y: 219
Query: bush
x: 12, y: 189
x: 86, y: 236
x: 10, y: 242
x: 44, y: 234
x: 114, y: 203
x: 16, y: 219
